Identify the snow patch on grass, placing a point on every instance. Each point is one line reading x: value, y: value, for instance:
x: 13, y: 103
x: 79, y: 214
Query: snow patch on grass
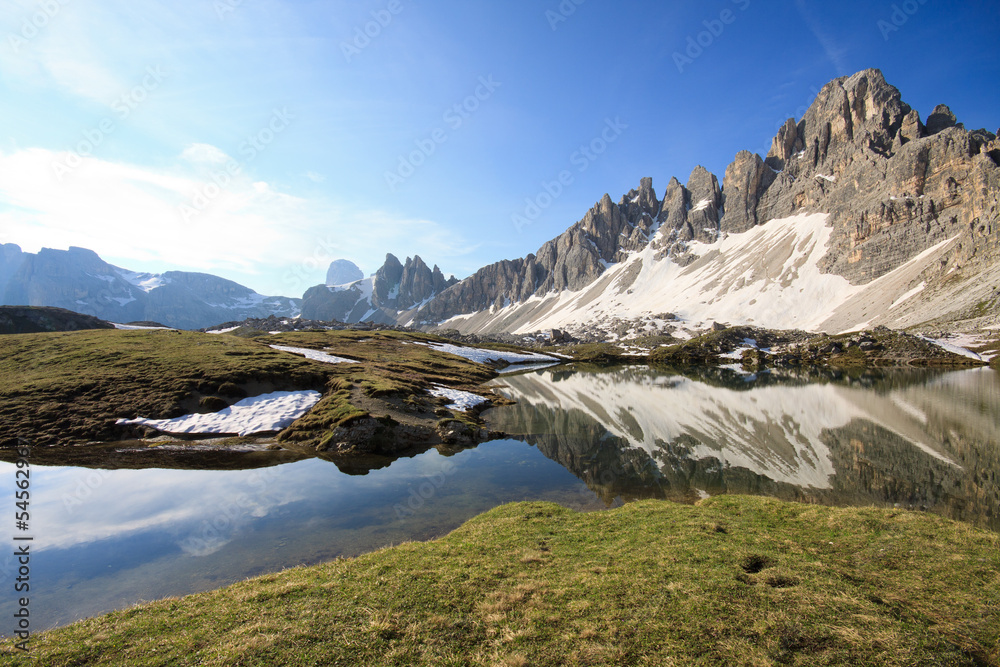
x: 485, y: 356
x: 259, y: 414
x: 315, y: 355
x: 460, y: 400
x: 135, y: 327
x: 951, y: 347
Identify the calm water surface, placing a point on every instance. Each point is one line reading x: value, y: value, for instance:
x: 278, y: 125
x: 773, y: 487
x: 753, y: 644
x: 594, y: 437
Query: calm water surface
x: 106, y: 539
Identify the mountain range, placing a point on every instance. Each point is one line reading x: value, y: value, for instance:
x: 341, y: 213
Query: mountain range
x: 381, y: 298
x: 79, y: 280
x: 861, y: 214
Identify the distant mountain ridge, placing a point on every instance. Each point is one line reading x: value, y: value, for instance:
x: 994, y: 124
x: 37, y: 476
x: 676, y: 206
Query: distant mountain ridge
x: 79, y: 280
x: 394, y: 289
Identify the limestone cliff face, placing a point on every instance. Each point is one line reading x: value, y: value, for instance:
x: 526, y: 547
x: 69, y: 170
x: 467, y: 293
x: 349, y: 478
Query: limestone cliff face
x: 578, y: 257
x: 893, y: 185
x: 418, y: 282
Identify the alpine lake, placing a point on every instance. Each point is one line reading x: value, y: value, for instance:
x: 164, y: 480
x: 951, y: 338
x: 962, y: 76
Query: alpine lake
x: 588, y: 438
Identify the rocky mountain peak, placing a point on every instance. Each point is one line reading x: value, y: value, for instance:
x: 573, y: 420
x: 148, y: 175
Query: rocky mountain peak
x: 396, y: 287
x: 860, y: 112
x: 746, y: 179
x: 704, y: 201
x: 387, y: 279
x: 641, y: 201
x: 941, y: 119
x: 891, y: 187
x: 418, y: 283
x: 343, y: 272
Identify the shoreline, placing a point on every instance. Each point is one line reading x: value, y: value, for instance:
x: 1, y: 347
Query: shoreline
x: 380, y: 404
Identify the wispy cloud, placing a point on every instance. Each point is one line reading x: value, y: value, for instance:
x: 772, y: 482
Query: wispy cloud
x: 252, y: 227
x: 57, y: 45
x: 834, y: 52
x: 204, y: 154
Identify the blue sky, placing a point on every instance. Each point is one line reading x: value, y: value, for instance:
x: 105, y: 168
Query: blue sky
x: 261, y: 139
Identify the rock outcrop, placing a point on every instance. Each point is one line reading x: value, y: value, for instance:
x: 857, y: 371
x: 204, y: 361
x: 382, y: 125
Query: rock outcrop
x: 343, y: 272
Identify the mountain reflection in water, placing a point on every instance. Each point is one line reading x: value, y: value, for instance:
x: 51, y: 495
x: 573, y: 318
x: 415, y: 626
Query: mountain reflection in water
x: 916, y: 439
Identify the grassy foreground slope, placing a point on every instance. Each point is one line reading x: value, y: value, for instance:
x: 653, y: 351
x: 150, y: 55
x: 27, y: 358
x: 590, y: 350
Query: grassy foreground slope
x: 732, y: 581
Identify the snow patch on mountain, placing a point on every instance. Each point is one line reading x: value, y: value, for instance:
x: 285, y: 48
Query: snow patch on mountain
x: 767, y: 276
x: 913, y: 292
x: 147, y: 282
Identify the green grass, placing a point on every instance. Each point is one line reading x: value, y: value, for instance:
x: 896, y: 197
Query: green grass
x: 391, y: 367
x: 733, y: 581
x: 651, y: 341
x: 69, y: 388
x: 595, y: 353
x: 59, y: 388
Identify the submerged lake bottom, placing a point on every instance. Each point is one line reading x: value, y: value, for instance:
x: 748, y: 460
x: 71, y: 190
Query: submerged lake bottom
x: 585, y: 438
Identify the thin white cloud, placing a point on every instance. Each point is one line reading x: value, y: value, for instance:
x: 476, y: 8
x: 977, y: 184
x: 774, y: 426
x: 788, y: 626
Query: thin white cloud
x: 181, y: 218
x: 834, y: 52
x: 204, y: 154
x: 56, y: 44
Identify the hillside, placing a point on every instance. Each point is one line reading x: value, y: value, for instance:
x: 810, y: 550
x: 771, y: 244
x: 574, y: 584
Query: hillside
x: 29, y: 319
